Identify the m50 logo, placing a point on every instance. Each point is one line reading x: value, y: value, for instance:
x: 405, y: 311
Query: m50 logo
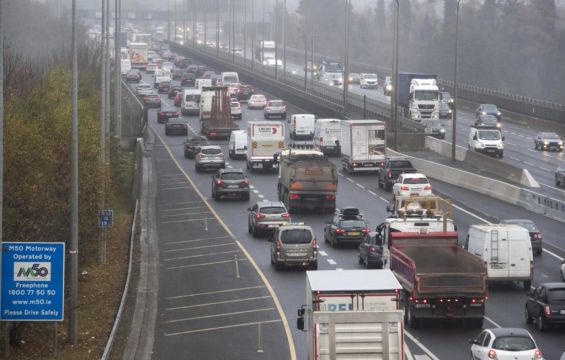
x: 32, y: 271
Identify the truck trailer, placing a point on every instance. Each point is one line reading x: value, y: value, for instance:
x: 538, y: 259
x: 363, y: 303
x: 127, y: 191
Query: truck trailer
x: 363, y: 145
x: 264, y: 140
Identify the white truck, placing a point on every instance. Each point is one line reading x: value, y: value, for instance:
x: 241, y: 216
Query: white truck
x: 264, y: 139
x: 352, y: 314
x: 138, y: 55
x: 160, y: 76
x: 363, y: 145
x: 265, y: 52
x: 327, y: 133
x: 301, y: 126
x: 418, y: 95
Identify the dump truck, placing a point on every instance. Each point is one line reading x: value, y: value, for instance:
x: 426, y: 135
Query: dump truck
x: 363, y: 145
x: 307, y: 180
x: 215, y: 113
x: 352, y: 314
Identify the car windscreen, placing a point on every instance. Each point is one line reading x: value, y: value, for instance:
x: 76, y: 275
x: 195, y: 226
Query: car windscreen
x: 230, y: 79
x: 370, y: 77
x: 489, y: 135
x: 272, y: 210
x: 352, y: 223
x: 550, y: 136
x: 211, y: 151
x: 433, y: 123
x: 296, y: 236
x: 276, y: 103
x: 513, y: 343
x: 415, y: 181
x: 489, y: 108
x: 557, y: 294
x: 232, y: 176
x: 400, y: 164
x: 426, y: 95
x: 334, y: 68
x: 258, y: 98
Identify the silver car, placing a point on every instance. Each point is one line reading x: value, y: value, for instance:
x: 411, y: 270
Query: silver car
x: 143, y: 89
x: 265, y: 216
x: 209, y: 157
x: 294, y: 245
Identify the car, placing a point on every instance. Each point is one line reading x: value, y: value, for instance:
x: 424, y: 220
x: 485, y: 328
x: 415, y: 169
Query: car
x: 504, y: 343
x: 265, y: 216
x: 192, y: 146
x: 488, y: 121
x: 412, y: 184
x: 294, y: 245
x: 274, y: 108
x: 209, y: 157
x: 369, y: 81
x: 560, y: 176
x: 178, y: 99
x: 245, y: 92
x: 446, y: 97
x: 152, y: 100
x: 238, y: 51
x: 200, y: 70
x: 176, y: 126
x: 151, y: 67
x: 216, y: 79
x: 208, y: 74
x: 257, y: 102
x: 488, y: 109
x: 434, y: 127
x: 347, y: 226
x: 445, y: 111
x: 177, y: 60
x: 354, y: 79
x: 133, y: 76
x: 164, y: 87
x: 167, y: 66
x: 387, y: 88
x: 176, y: 74
x: 230, y: 182
x: 545, y: 305
x: 187, y: 79
x: 174, y: 90
x: 143, y: 89
x: 548, y: 141
x: 370, y: 251
x: 535, y: 234
x: 165, y: 114
x: 184, y: 63
x: 235, y: 109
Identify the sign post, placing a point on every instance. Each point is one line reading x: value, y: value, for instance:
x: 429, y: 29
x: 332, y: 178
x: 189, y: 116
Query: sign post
x: 33, y: 281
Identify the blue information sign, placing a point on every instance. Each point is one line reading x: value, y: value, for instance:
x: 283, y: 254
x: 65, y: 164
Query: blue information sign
x: 105, y: 218
x: 33, y: 281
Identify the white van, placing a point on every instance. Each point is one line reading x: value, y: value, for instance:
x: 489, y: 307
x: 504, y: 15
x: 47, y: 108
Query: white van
x: 229, y: 78
x: 200, y: 83
x: 190, y: 103
x: 327, y: 134
x: 505, y: 249
x: 302, y: 126
x: 238, y: 144
x: 487, y: 140
x: 125, y: 66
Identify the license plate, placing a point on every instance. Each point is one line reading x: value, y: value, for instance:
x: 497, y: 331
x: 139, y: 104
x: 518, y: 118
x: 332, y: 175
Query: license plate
x: 354, y: 233
x: 562, y: 312
x: 232, y: 186
x: 296, y: 254
x: 368, y: 165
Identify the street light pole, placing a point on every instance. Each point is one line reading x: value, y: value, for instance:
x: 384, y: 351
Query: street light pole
x: 232, y: 31
x: 276, y: 38
x: 217, y: 27
x: 305, y: 23
x: 253, y: 33
x: 454, y: 117
x: 244, y: 31
x: 193, y: 9
x: 346, y: 59
x: 117, y: 70
x: 284, y: 37
x: 394, y: 100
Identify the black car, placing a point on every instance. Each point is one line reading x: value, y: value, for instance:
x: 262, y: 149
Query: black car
x: 230, y: 182
x: 560, y: 176
x: 164, y: 87
x: 245, y: 92
x: 176, y: 74
x: 535, y: 234
x: 488, y: 109
x: 371, y: 251
x: 488, y: 121
x: 200, y: 70
x: 187, y: 79
x: 548, y: 141
x: 434, y: 128
x: 545, y: 305
x: 176, y: 126
x: 347, y: 225
x: 184, y: 63
x: 152, y: 100
x: 165, y: 114
x: 192, y: 146
x: 173, y: 91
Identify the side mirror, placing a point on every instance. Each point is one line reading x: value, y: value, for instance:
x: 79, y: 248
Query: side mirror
x: 276, y: 158
x: 337, y: 142
x: 530, y: 291
x: 475, y: 137
x: 300, y: 319
x: 472, y: 341
x: 379, y: 240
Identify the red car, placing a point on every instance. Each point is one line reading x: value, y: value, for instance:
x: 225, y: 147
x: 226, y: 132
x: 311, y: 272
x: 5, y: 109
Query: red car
x: 133, y: 76
x: 164, y: 87
x: 178, y: 98
x: 152, y: 100
x: 165, y: 114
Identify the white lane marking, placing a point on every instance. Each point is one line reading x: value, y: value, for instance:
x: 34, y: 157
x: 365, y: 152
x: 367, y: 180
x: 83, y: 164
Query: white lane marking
x: 529, y: 163
x: 251, y: 187
x: 407, y: 352
x: 530, y: 150
x: 492, y: 321
x: 421, y: 346
x: 514, y: 158
x: 255, y: 191
x: 340, y: 174
x: 229, y: 166
x: 544, y: 169
x: 261, y: 196
x: 473, y: 215
x: 331, y: 261
x: 350, y: 180
x: 322, y: 252
x: 551, y: 187
x: 421, y: 357
x: 554, y: 254
x: 372, y: 193
x: 361, y: 186
x: 341, y: 269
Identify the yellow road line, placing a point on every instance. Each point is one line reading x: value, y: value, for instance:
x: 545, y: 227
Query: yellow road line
x: 228, y: 327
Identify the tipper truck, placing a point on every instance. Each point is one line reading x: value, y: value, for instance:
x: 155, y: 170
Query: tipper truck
x: 138, y: 55
x: 352, y: 314
x: 307, y: 180
x: 418, y: 96
x: 215, y: 113
x: 363, y: 145
x: 264, y: 139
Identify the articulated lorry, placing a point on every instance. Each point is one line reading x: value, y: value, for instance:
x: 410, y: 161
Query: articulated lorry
x: 418, y: 96
x: 352, y: 314
x: 363, y: 145
x: 215, y: 113
x: 264, y: 140
x: 307, y: 180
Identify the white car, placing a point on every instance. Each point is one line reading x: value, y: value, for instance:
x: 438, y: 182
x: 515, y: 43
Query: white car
x: 412, y: 184
x: 369, y: 81
x: 257, y: 102
x: 235, y: 109
x: 150, y: 68
x: 505, y: 343
x: 167, y: 66
x: 143, y: 89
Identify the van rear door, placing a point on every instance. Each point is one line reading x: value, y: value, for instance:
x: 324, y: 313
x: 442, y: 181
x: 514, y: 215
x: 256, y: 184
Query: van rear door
x: 497, y: 259
x: 520, y: 254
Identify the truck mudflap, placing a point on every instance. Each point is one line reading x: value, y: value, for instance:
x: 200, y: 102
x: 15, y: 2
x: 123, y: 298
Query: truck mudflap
x: 468, y: 309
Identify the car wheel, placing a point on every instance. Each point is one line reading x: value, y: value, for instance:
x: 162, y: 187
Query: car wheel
x: 249, y: 228
x: 367, y: 264
x: 409, y: 317
x: 535, y: 146
x: 314, y: 266
x: 527, y: 316
x: 326, y: 238
x: 379, y: 183
x: 542, y: 326
x: 360, y: 259
x: 278, y: 265
x: 388, y: 187
x: 197, y: 168
x: 527, y: 284
x: 333, y: 242
x: 557, y: 183
x: 246, y: 197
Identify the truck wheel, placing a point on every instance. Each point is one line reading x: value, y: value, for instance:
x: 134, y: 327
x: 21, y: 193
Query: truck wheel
x: 314, y: 266
x: 527, y: 284
x: 367, y: 264
x: 359, y: 258
x: 409, y: 317
x: 527, y: 316
x: 542, y: 326
x: 379, y: 183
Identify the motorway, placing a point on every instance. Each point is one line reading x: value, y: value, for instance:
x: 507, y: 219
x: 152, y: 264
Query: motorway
x: 436, y: 341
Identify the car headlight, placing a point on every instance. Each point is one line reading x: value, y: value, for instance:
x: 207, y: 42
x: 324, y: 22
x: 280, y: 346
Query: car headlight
x: 441, y: 130
x: 498, y: 125
x: 499, y: 145
x: 481, y: 145
x: 451, y: 101
x: 483, y: 113
x: 545, y: 142
x: 498, y: 113
x: 450, y: 111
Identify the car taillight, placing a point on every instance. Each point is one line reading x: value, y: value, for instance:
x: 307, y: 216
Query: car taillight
x: 538, y: 355
x: 491, y: 354
x: 372, y: 249
x: 427, y: 187
x: 294, y: 196
x: 404, y: 187
x: 245, y: 183
x: 340, y: 231
x: 365, y: 231
x: 389, y: 174
x: 284, y: 215
x: 278, y: 244
x: 547, y: 310
x: 330, y: 197
x: 314, y: 244
x: 219, y: 182
x: 162, y: 113
x: 259, y: 216
x: 537, y: 236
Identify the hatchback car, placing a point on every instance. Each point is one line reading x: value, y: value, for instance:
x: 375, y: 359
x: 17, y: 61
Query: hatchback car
x: 347, y: 226
x: 192, y: 146
x: 560, y: 176
x: 446, y: 97
x: 505, y: 343
x: 235, y: 109
x: 535, y: 234
x: 445, y: 111
x: 187, y: 79
x: 294, y: 245
x: 230, y: 183
x: 209, y: 157
x: 275, y: 108
x: 488, y: 109
x: 434, y: 127
x: 133, y: 76
x: 150, y: 68
x: 176, y: 74
x: 143, y: 89
x: 412, y: 184
x: 152, y: 100
x: 176, y: 126
x: 354, y: 79
x: 164, y: 87
x: 371, y: 251
x: 488, y: 121
x: 545, y: 305
x: 548, y: 141
x: 175, y: 89
x: 245, y: 92
x: 369, y: 81
x: 257, y: 102
x: 265, y: 216
x: 166, y: 113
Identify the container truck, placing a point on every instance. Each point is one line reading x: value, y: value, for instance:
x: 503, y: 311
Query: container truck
x: 264, y: 139
x: 218, y: 124
x: 418, y: 96
x: 363, y: 145
x: 352, y: 314
x: 265, y: 51
x: 138, y: 55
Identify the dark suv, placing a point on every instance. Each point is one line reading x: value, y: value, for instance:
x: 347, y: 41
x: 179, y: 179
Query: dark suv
x: 192, y: 146
x: 546, y: 305
x: 230, y: 182
x: 347, y: 226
